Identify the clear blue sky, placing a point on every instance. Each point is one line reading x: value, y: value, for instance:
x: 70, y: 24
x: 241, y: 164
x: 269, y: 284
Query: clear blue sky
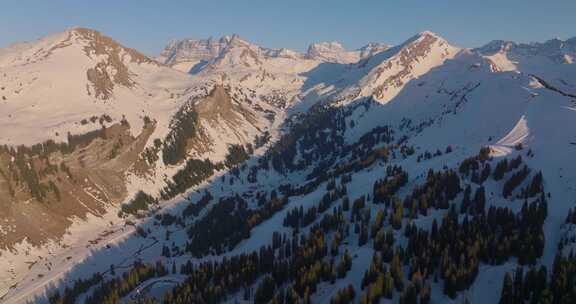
x: 149, y: 25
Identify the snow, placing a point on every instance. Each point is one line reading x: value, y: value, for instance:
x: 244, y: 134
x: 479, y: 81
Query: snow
x: 48, y: 97
x: 454, y: 97
x: 502, y: 62
x: 45, y: 266
x: 331, y: 52
x: 517, y: 136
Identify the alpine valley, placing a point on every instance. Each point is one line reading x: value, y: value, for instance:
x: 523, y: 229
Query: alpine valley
x: 224, y: 171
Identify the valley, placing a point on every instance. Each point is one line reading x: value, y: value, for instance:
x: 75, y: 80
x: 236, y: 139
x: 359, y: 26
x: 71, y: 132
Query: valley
x: 223, y: 171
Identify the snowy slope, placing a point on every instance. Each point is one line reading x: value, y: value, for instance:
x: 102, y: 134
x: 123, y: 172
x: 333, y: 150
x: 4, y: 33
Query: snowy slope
x: 431, y: 94
x: 50, y: 86
x: 79, y: 81
x: 53, y: 87
x: 406, y: 62
x: 552, y: 60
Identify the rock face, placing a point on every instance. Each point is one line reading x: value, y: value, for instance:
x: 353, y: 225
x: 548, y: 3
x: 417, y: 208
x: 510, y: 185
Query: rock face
x: 184, y: 54
x: 330, y: 52
x: 187, y: 53
x: 336, y: 53
x: 112, y: 69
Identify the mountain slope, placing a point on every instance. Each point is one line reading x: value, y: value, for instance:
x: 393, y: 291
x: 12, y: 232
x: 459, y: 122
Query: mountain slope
x: 54, y: 84
x: 91, y: 123
x: 421, y: 172
x: 551, y: 60
x: 406, y: 62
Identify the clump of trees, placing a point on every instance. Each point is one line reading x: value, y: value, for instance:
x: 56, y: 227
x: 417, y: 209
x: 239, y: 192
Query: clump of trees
x: 194, y: 172
x: 182, y: 127
x: 71, y: 294
x: 298, y: 218
x: 473, y: 163
x: 140, y: 202
x: 114, y: 290
x: 385, y: 188
x: 193, y: 209
x: 236, y: 155
x: 571, y: 217
x: 537, y: 285
x: 514, y: 181
x: 344, y: 296
x: 227, y: 223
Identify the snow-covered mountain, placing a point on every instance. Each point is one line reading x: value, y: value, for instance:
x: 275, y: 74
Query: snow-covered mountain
x: 409, y: 61
x: 336, y: 53
x: 553, y: 60
x: 50, y: 86
x: 283, y: 76
x: 186, y: 54
x: 330, y: 52
x: 556, y: 50
x: 89, y: 122
x: 189, y: 55
x: 326, y: 167
x: 54, y: 86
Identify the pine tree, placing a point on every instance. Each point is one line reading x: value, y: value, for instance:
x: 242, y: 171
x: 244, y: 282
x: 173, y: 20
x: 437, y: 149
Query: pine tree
x: 507, y: 295
x: 479, y: 200
x: 397, y: 274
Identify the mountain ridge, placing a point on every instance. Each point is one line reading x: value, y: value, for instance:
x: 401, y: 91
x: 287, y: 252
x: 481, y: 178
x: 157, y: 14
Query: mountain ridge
x: 194, y: 51
x: 359, y: 153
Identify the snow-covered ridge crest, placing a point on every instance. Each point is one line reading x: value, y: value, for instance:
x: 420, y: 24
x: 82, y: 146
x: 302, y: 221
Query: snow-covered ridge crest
x: 336, y: 53
x: 194, y: 55
x: 398, y: 65
x: 108, y: 61
x: 547, y: 48
x: 554, y: 51
x: 92, y: 42
x: 552, y: 60
x: 185, y: 54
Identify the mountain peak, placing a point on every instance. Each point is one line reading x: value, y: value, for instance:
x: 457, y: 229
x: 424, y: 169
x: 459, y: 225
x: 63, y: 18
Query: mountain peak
x: 183, y: 54
x: 403, y: 63
x: 428, y: 33
x: 327, y: 44
x: 230, y: 38
x: 556, y: 50
x: 83, y: 30
x: 332, y: 51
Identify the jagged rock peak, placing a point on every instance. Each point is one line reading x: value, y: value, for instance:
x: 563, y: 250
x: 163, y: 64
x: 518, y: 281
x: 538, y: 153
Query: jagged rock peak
x: 328, y: 51
x: 195, y: 50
